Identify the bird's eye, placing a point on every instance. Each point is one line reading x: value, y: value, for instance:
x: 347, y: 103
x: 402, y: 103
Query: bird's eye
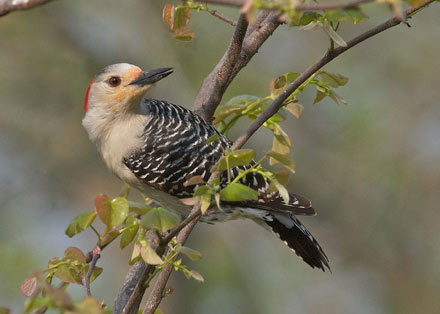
x: 114, y: 81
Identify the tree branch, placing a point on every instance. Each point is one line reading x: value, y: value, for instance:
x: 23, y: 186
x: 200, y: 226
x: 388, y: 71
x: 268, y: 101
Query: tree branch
x: 156, y: 294
x: 221, y: 17
x: 7, y: 6
x: 298, y: 7
x: 329, y: 56
x: 86, y: 279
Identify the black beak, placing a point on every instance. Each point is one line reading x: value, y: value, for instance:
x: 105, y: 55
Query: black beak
x: 152, y: 76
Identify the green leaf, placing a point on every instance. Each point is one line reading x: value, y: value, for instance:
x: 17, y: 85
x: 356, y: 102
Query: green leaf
x: 284, y: 159
x: 159, y: 311
x: 234, y: 158
x: 333, y: 80
x: 309, y: 17
x: 282, y: 176
x: 320, y: 95
x: 132, y: 227
x: 29, y: 286
x: 192, y: 254
x: 80, y: 223
x: 184, y: 34
x: 213, y: 138
x: 119, y: 211
x: 205, y: 202
x: 281, y: 190
x: 109, y: 236
x: 294, y: 108
x: 354, y: 15
x: 67, y: 273
x: 103, y: 208
x: 136, y: 254
x: 74, y: 254
x: 197, y: 276
x: 236, y: 192
x: 181, y: 17
x: 139, y: 208
x: 160, y: 219
x: 95, y: 272
x: 149, y: 255
x: 334, y: 36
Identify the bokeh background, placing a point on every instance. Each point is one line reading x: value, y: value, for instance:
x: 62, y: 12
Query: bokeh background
x: 371, y: 167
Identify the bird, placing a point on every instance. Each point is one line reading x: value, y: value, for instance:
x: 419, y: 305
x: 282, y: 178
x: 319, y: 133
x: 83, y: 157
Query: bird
x: 155, y: 146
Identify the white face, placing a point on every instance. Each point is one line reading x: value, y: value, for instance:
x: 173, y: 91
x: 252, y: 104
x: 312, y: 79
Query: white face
x: 111, y: 89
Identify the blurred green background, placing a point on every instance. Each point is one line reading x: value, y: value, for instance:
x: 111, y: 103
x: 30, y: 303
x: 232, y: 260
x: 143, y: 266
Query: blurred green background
x: 370, y: 167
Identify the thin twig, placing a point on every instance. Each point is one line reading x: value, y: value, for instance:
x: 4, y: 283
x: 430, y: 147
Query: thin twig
x: 7, y: 6
x: 298, y: 7
x: 329, y: 56
x: 220, y: 16
x: 182, y: 225
x: 231, y: 3
x: 86, y: 279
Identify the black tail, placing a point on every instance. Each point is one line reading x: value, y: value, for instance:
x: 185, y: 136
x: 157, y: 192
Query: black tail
x: 299, y: 239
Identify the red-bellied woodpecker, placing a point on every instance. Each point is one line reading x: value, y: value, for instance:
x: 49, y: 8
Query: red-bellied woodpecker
x: 156, y: 146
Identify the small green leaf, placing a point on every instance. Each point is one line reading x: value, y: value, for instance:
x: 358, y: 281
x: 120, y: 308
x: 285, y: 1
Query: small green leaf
x: 80, y: 223
x: 320, y: 95
x: 282, y: 176
x: 67, y: 273
x: 205, y: 202
x: 29, y: 286
x: 333, y: 80
x: 181, y: 17
x: 334, y: 36
x: 294, y: 108
x: 149, y: 255
x: 119, y: 211
x: 139, y: 208
x: 75, y: 254
x: 159, y: 311
x: 284, y: 159
x: 309, y: 17
x: 184, y: 34
x: 95, y: 272
x: 236, y: 192
x: 160, y: 219
x: 132, y: 227
x: 136, y: 254
x: 213, y: 138
x: 233, y: 159
x: 192, y: 254
x: 197, y: 276
x: 103, y: 208
x: 109, y: 236
x: 355, y: 15
x: 281, y: 190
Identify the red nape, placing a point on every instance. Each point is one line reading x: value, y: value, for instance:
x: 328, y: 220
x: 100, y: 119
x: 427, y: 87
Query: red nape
x: 87, y: 95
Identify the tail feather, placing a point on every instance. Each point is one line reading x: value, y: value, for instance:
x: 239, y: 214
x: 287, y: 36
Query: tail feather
x: 299, y: 239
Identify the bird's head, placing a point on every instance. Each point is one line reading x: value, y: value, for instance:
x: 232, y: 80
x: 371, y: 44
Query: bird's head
x: 120, y: 87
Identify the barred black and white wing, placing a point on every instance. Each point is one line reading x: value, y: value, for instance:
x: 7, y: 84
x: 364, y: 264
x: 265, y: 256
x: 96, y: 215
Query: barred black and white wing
x: 176, y: 149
